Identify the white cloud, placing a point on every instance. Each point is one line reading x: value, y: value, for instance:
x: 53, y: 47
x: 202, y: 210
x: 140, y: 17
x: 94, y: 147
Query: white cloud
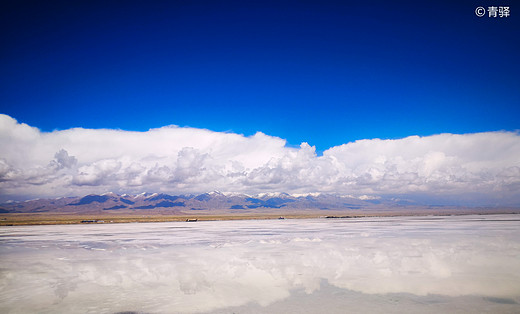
x: 188, y: 160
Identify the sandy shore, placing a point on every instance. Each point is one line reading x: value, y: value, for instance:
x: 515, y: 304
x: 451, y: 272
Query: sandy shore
x: 17, y: 219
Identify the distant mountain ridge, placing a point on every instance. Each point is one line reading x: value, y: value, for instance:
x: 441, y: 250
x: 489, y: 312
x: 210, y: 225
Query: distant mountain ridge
x: 206, y: 201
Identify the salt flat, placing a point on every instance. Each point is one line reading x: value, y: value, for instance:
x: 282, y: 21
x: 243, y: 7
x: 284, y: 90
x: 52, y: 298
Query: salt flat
x: 448, y: 264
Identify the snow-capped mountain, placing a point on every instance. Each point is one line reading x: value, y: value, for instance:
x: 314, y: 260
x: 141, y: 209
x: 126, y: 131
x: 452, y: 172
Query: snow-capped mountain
x: 207, y: 201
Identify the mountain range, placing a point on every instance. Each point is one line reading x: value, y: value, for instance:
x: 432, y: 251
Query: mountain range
x: 212, y: 201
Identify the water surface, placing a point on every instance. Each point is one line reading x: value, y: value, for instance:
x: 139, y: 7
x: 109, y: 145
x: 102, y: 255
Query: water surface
x: 451, y: 264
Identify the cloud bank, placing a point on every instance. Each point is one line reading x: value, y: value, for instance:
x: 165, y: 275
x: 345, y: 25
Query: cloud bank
x: 483, y: 167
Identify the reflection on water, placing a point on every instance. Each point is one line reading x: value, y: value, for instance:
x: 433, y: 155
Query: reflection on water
x: 400, y: 265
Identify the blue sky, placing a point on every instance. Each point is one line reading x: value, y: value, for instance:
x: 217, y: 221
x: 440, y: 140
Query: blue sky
x: 321, y: 72
x: 248, y: 82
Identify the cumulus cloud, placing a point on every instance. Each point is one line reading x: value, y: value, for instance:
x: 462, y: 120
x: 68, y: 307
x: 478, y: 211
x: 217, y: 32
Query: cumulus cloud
x: 187, y: 160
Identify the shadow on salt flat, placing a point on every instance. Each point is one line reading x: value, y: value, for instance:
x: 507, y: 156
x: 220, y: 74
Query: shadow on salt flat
x: 330, y: 299
x: 500, y: 300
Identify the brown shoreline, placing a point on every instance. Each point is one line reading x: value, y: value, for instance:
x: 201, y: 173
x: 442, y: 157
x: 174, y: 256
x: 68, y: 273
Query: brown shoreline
x: 19, y: 219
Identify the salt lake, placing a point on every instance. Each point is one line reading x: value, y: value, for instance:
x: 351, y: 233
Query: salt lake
x: 450, y: 264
